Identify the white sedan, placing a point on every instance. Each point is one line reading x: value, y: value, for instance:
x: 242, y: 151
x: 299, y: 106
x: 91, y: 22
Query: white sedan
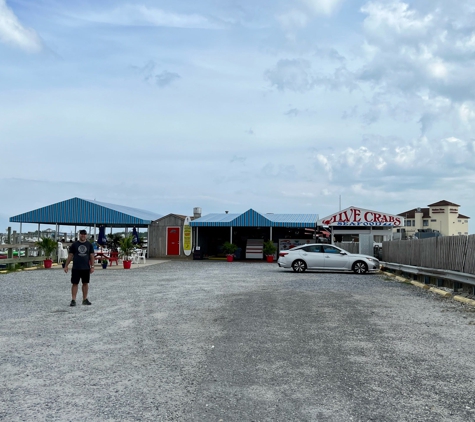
x: 322, y: 256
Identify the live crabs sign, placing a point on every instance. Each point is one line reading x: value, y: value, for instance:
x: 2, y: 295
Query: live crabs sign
x: 354, y: 216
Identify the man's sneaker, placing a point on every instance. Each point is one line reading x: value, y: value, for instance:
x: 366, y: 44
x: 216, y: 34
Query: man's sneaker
x: 73, y: 303
x: 86, y: 302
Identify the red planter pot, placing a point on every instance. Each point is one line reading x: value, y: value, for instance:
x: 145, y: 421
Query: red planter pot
x: 270, y: 258
x: 127, y: 264
x: 47, y: 263
x: 230, y: 258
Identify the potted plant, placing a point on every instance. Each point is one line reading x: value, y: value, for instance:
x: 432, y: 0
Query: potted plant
x: 48, y: 246
x: 126, y: 246
x: 269, y: 250
x: 229, y: 249
x: 104, y: 263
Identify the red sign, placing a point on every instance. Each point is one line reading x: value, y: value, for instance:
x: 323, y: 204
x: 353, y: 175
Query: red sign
x: 360, y: 217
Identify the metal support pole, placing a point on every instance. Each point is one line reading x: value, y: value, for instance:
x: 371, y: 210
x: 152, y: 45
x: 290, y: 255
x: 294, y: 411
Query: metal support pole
x: 231, y: 234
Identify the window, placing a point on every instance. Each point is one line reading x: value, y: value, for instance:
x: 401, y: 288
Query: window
x: 313, y: 248
x: 408, y: 223
x: 330, y: 249
x: 425, y: 223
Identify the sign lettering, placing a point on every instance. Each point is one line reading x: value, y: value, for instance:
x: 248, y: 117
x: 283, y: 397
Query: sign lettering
x: 359, y: 217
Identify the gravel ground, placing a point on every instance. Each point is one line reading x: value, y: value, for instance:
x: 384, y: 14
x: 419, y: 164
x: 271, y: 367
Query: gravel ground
x: 218, y: 341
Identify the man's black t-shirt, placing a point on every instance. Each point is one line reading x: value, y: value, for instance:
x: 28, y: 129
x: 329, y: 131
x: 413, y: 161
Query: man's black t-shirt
x: 81, y: 252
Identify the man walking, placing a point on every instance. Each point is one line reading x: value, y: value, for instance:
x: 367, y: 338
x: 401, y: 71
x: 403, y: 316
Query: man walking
x: 81, y: 253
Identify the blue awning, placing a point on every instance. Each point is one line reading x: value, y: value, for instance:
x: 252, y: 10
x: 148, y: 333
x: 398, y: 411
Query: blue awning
x: 83, y: 212
x: 252, y: 218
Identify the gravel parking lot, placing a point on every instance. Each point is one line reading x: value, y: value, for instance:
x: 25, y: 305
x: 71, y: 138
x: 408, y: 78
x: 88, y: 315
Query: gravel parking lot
x: 218, y: 341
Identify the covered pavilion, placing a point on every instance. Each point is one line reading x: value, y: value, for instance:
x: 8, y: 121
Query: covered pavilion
x: 86, y: 213
x: 210, y: 231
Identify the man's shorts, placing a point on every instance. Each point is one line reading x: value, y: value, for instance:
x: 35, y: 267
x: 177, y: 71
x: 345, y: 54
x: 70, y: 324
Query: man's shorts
x: 77, y: 275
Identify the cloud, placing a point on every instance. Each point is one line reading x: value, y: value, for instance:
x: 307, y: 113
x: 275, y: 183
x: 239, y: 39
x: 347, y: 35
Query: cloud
x: 297, y: 75
x: 166, y: 78
x: 295, y: 112
x: 325, y: 7
x: 382, y: 160
x: 237, y: 159
x: 291, y: 74
x: 419, y: 54
x: 150, y: 74
x: 13, y: 33
x: 141, y: 15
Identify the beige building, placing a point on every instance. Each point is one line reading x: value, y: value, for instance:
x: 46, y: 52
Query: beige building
x: 441, y: 217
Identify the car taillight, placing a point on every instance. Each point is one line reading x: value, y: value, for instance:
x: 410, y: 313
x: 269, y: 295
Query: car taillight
x: 283, y: 253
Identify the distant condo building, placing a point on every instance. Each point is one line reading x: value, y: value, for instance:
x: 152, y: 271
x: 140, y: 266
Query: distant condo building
x: 441, y: 218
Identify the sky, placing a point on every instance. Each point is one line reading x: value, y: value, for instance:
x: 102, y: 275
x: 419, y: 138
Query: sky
x: 295, y: 106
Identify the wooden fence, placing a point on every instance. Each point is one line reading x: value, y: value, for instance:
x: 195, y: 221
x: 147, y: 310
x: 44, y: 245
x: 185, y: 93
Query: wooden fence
x: 454, y: 253
x: 27, y: 257
x: 351, y: 247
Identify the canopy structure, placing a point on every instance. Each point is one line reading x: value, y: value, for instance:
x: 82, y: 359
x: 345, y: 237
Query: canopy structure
x: 84, y: 212
x: 252, y: 218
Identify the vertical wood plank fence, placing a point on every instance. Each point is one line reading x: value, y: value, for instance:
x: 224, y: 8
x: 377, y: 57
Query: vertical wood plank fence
x: 453, y: 253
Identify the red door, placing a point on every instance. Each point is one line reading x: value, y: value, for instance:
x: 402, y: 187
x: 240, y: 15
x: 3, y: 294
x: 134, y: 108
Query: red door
x: 173, y: 241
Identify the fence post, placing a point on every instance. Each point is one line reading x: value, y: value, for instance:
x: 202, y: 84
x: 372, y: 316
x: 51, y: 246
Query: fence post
x: 10, y: 250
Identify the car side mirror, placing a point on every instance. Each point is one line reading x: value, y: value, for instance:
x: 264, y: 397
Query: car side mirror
x: 343, y: 253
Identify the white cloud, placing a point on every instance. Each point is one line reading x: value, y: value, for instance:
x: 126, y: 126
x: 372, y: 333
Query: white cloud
x: 396, y: 18
x: 467, y: 113
x: 383, y: 159
x: 291, y: 74
x: 326, y: 7
x: 297, y: 75
x: 13, y: 33
x: 417, y: 59
x: 141, y: 15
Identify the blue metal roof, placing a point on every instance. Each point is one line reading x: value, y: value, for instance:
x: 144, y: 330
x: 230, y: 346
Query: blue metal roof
x: 83, y: 212
x: 252, y: 218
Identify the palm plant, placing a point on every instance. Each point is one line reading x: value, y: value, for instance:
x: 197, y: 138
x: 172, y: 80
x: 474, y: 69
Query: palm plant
x: 126, y: 245
x: 269, y: 248
x: 229, y: 248
x: 47, y: 245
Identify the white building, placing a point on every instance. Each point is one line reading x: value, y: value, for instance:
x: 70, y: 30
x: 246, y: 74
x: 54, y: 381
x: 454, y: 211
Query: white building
x: 441, y: 217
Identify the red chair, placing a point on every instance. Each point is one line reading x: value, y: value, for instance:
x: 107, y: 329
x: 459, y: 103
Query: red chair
x: 114, y: 257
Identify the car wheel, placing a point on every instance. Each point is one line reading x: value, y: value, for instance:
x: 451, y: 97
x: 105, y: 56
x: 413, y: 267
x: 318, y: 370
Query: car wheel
x: 299, y: 266
x: 360, y: 267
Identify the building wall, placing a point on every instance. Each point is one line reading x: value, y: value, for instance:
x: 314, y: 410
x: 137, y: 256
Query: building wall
x: 157, y: 239
x: 444, y: 219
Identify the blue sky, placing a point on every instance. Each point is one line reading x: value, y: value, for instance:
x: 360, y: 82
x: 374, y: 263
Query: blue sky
x: 279, y: 106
